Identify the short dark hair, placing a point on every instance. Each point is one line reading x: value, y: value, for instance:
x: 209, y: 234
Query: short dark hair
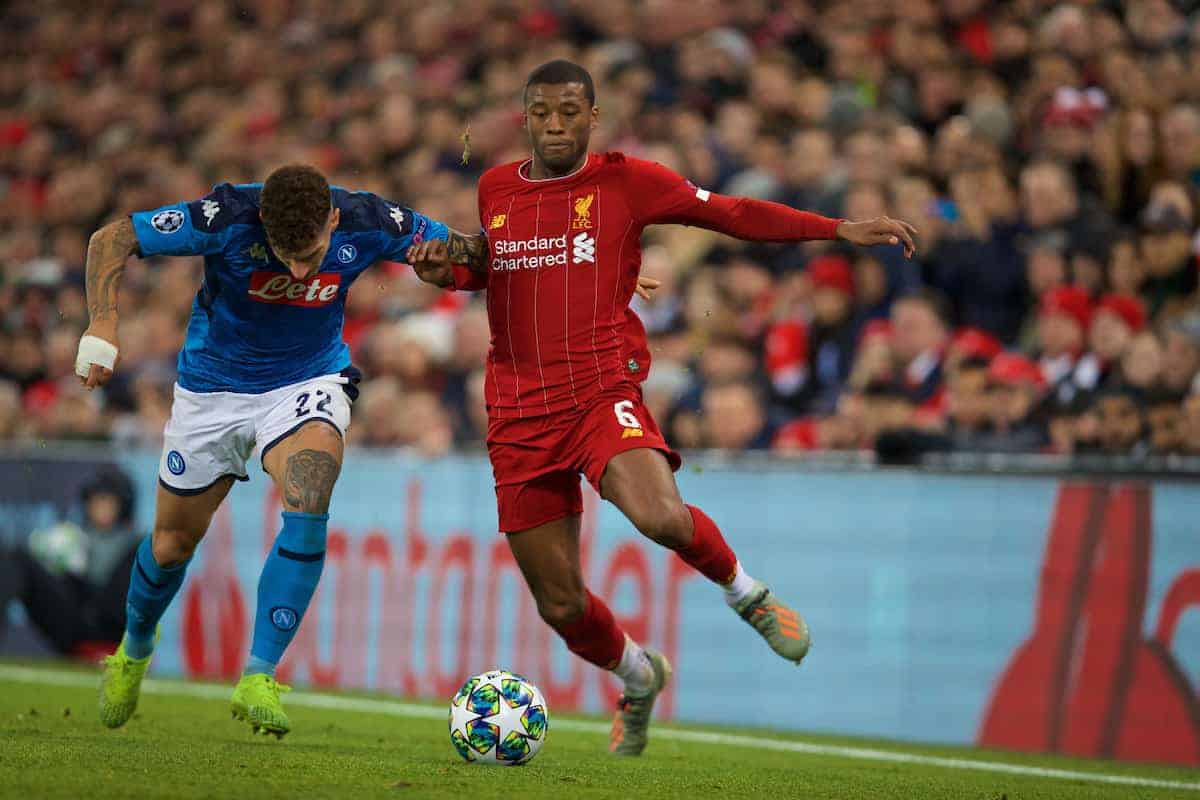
x: 932, y: 299
x: 294, y: 205
x: 562, y: 71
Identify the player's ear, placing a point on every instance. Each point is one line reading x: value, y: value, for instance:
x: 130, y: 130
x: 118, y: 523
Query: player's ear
x: 334, y: 217
x: 595, y: 117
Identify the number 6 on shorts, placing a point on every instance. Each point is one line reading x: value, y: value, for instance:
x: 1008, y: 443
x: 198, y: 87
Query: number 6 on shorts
x: 625, y: 416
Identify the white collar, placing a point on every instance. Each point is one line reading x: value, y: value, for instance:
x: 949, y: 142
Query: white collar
x: 521, y: 171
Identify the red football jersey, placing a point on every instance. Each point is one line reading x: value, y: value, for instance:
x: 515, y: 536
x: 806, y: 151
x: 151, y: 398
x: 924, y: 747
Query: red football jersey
x: 564, y: 257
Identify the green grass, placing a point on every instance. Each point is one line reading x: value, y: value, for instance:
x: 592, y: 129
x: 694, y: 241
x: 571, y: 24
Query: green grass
x: 51, y: 745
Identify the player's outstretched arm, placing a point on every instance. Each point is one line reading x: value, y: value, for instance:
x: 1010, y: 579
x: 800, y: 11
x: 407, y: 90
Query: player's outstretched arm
x: 658, y: 195
x: 108, y: 250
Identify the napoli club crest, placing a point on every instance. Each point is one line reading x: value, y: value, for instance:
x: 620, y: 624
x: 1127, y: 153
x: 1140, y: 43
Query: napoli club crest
x: 347, y: 253
x: 284, y: 618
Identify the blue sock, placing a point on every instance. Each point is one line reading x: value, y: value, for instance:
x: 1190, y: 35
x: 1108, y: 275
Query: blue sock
x: 289, y: 578
x: 151, y: 589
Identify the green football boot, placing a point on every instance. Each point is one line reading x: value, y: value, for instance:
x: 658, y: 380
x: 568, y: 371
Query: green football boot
x: 256, y: 701
x: 121, y: 685
x: 785, y: 630
x: 632, y: 722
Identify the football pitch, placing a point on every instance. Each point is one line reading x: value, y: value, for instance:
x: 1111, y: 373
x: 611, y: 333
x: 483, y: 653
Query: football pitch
x: 183, y: 744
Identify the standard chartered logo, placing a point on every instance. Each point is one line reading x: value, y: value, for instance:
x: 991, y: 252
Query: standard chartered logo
x: 584, y: 248
x: 543, y: 251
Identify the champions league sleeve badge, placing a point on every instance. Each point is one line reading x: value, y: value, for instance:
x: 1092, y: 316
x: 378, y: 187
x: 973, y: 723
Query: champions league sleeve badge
x: 167, y: 221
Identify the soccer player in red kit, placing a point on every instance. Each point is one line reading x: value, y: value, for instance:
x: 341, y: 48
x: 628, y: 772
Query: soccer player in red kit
x: 567, y: 359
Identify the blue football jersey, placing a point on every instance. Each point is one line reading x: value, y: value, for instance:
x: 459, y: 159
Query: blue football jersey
x: 254, y: 327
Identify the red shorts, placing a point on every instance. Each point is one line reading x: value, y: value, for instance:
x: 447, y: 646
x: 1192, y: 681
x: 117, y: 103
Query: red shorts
x: 537, y: 460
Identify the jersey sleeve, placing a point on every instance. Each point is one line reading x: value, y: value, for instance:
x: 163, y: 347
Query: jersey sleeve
x: 467, y: 280
x: 400, y: 228
x: 658, y: 195
x: 203, y: 227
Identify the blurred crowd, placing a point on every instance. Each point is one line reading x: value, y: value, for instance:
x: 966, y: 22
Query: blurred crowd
x: 1048, y: 153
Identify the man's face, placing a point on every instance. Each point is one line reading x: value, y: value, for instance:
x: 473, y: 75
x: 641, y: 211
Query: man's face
x: 1120, y: 423
x: 1164, y: 422
x: 1109, y: 335
x: 1189, y: 425
x: 916, y: 330
x: 560, y: 120
x: 830, y: 306
x: 1181, y: 359
x: 1163, y: 251
x: 968, y: 397
x: 102, y: 510
x: 305, y: 262
x: 1059, y: 333
x: 1010, y: 404
x: 732, y: 417
x: 1046, y: 196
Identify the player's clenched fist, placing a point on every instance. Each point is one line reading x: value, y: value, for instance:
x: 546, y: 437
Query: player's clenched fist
x: 98, y: 354
x: 881, y: 230
x: 431, y: 261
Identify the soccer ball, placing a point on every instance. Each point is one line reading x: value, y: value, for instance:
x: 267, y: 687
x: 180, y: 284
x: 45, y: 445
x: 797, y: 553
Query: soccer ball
x: 498, y: 718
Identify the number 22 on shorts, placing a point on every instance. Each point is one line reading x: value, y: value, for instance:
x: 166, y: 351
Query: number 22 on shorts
x: 302, y: 399
x: 624, y: 411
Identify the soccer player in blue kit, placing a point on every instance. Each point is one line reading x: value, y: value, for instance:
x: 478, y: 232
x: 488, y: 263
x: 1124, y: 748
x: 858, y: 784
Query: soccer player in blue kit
x: 264, y: 373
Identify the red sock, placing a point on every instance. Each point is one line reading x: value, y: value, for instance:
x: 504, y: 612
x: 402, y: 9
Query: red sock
x: 708, y: 553
x: 595, y: 637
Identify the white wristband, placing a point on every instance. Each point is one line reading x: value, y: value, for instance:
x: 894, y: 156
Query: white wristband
x: 94, y: 350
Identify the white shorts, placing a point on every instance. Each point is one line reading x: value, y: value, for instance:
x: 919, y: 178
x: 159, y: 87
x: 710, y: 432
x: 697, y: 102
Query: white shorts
x: 212, y: 435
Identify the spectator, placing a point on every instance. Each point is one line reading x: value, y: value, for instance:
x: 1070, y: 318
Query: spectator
x: 71, y: 578
x: 733, y: 418
x: 1164, y: 412
x: 1015, y: 385
x: 1189, y: 425
x: 1034, y: 147
x: 834, y: 332
x: 1142, y: 365
x: 967, y: 404
x: 1117, y: 319
x: 919, y: 324
x: 1121, y: 427
x: 1180, y: 131
x: 1181, y: 354
x: 1166, y: 252
x: 1064, y: 316
x: 971, y: 344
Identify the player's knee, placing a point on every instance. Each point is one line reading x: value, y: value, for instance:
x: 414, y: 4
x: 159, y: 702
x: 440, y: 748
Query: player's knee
x: 172, y: 547
x: 666, y: 521
x: 562, y: 608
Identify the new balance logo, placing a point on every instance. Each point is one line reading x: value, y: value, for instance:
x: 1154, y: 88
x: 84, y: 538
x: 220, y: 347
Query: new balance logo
x: 583, y: 248
x: 210, y: 208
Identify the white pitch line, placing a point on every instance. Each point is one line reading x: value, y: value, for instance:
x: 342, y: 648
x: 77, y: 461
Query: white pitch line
x: 209, y: 691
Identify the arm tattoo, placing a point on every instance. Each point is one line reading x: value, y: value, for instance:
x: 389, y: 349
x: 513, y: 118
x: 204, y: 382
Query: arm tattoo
x: 469, y: 250
x: 308, y: 480
x: 108, y: 250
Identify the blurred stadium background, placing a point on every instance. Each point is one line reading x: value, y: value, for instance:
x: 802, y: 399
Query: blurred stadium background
x: 1048, y: 328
